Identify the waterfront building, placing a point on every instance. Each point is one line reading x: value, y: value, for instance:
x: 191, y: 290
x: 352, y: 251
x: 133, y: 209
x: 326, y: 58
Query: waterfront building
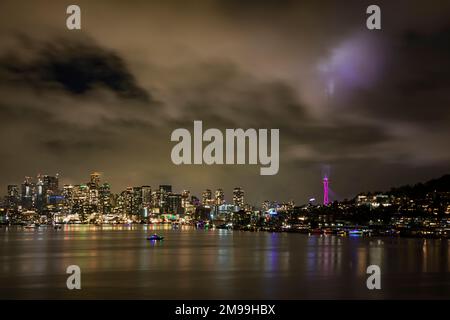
x: 156, y: 199
x: 165, y: 191
x: 28, y: 194
x: 50, y: 184
x: 174, y: 204
x: 238, y: 197
x: 185, y: 199
x: 136, y: 201
x: 206, y: 197
x: 13, y: 197
x: 146, y: 196
x: 219, y: 197
x: 67, y: 193
x: 105, y: 199
x: 224, y: 212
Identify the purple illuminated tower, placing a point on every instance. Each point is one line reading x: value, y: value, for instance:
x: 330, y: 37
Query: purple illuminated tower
x: 325, y: 191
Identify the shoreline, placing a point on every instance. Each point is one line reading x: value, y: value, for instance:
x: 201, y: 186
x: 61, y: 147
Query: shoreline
x: 358, y: 231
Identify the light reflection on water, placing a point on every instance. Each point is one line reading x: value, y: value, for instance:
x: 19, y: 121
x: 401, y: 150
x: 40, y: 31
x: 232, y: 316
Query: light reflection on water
x: 118, y: 262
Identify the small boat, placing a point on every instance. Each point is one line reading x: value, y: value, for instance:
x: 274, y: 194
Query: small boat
x: 355, y: 232
x: 155, y: 237
x: 31, y: 226
x: 57, y: 226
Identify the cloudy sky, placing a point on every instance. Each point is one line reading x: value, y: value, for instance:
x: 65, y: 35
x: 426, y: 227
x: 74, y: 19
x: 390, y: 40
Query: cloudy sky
x: 368, y: 108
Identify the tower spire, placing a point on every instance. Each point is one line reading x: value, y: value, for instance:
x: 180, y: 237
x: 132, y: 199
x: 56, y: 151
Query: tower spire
x: 325, y: 191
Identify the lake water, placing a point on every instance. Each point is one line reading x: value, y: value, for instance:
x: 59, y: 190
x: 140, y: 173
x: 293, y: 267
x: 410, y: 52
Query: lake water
x: 118, y: 262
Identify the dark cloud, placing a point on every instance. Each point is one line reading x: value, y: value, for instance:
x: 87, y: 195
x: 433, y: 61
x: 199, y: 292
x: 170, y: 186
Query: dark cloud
x: 227, y: 97
x: 415, y: 86
x: 75, y: 66
x: 418, y: 46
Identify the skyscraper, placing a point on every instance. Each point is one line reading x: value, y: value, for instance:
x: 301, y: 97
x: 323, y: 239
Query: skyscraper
x: 80, y: 199
x: 156, y: 198
x: 146, y: 196
x: 127, y: 201
x: 174, y: 204
x: 325, y: 191
x: 50, y: 184
x: 13, y: 197
x: 185, y: 198
x: 95, y: 179
x: 164, y: 190
x: 105, y: 199
x: 40, y: 196
x: 28, y: 193
x: 238, y: 197
x: 93, y: 200
x: 68, y: 194
x: 136, y: 201
x: 206, y: 197
x: 219, y: 197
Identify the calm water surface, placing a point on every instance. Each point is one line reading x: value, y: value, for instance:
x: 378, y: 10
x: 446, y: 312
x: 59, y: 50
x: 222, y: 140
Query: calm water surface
x: 118, y: 262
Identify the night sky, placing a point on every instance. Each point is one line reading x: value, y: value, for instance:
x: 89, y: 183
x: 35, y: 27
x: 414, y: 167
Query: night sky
x: 368, y: 108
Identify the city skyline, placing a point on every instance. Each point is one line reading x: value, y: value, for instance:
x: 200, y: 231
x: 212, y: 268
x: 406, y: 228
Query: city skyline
x: 32, y: 186
x: 207, y: 196
x: 418, y: 210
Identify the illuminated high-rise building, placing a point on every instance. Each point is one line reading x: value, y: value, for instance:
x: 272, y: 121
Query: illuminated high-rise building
x: 93, y: 199
x: 165, y: 191
x: 136, y: 201
x: 206, y: 197
x: 219, y: 197
x: 13, y: 197
x: 81, y: 204
x: 156, y: 198
x: 95, y: 179
x: 46, y: 187
x: 238, y: 197
x: 146, y: 196
x: 185, y: 198
x: 68, y: 194
x: 120, y: 205
x: 127, y: 201
x: 94, y: 205
x: 105, y: 199
x: 50, y: 184
x: 40, y: 196
x: 325, y: 191
x: 28, y: 193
